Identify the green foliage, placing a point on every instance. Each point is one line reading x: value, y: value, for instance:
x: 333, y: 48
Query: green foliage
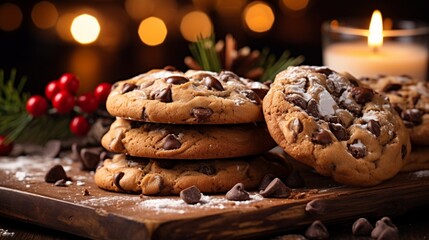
x: 204, y: 52
x: 272, y: 66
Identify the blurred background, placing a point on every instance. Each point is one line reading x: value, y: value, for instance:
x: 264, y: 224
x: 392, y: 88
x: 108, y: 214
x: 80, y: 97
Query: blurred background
x: 110, y: 40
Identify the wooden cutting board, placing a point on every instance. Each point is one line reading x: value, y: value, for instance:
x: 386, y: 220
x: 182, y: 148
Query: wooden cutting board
x: 106, y: 215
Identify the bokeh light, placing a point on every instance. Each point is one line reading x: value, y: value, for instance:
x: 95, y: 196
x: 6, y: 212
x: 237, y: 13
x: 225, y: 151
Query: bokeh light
x: 44, y: 15
x: 10, y: 17
x: 194, y: 25
x: 258, y: 16
x: 85, y: 29
x: 152, y: 31
x: 86, y: 64
x: 139, y: 9
x: 295, y: 5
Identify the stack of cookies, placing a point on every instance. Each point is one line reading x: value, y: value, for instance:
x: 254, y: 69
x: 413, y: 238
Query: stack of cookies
x: 174, y: 130
x: 410, y: 98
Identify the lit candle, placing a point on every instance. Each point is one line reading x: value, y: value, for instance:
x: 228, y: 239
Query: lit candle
x: 375, y: 56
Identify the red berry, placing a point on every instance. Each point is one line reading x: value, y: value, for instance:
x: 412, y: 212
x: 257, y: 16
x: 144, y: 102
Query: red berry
x: 69, y: 82
x: 63, y: 102
x: 37, y: 106
x: 51, y: 89
x: 87, y: 102
x: 5, y: 148
x: 79, y: 126
x: 102, y: 91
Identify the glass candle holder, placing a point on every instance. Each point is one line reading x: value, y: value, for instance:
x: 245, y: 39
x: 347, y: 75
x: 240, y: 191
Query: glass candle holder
x: 404, y: 49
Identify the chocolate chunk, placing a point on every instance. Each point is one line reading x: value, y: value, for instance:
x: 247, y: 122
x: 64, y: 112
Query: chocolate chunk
x: 315, y: 206
x: 117, y: 178
x: 266, y: 180
x: 85, y: 192
x: 201, y: 113
x: 403, y: 151
x: 171, y: 142
x: 276, y: 189
x: 237, y: 193
x: 294, y: 180
x: 312, y: 108
x: 334, y: 87
x: 324, y: 70
x: 207, y: 169
x: 261, y: 92
x: 362, y: 227
x: 317, y: 230
x: 357, y: 150
x: 297, y: 101
x: 52, y: 149
x: 190, y: 195
x: 323, y: 137
x: 212, y: 83
x: 163, y: 95
x: 416, y: 98
x: 127, y: 87
x: 374, y: 127
x: 392, y: 87
x: 224, y: 76
x: 362, y: 95
x: 177, y: 80
x: 397, y: 108
x: 166, y: 164
x: 252, y: 96
x: 61, y: 183
x: 339, y: 131
x: 385, y: 229
x: 90, y: 157
x: 55, y: 173
x: 414, y: 116
x: 352, y: 107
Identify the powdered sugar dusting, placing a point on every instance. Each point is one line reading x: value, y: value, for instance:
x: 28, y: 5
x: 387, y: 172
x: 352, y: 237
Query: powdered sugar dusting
x: 422, y: 173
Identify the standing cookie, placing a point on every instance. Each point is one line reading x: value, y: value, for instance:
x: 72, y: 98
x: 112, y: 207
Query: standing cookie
x: 194, y: 97
x: 328, y: 121
x: 410, y: 98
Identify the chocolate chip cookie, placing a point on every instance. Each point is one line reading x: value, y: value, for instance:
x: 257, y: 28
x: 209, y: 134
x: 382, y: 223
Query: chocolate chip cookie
x: 410, y: 98
x: 174, y: 141
x: 327, y: 120
x: 165, y: 177
x: 194, y: 97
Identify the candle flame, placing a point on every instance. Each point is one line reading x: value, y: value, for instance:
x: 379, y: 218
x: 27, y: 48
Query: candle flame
x: 375, y: 37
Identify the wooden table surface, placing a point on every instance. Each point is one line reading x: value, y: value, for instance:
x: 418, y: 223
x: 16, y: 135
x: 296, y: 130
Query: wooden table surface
x: 33, y: 209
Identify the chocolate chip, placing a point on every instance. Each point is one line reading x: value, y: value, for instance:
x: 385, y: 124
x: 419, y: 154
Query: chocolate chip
x: 294, y: 180
x: 237, y: 193
x: 416, y: 98
x: 339, y: 131
x: 362, y: 227
x: 224, y: 76
x: 414, y: 116
x: 261, y: 92
x: 207, y: 169
x: 85, y: 192
x: 315, y: 206
x: 252, y: 96
x: 362, y: 94
x: 190, y: 195
x: 324, y: 70
x: 317, y: 230
x: 55, y: 173
x: 212, y: 83
x: 61, y: 183
x: 170, y: 68
x: 374, y: 127
x: 297, y: 101
x: 171, y: 142
x: 334, y: 87
x: 117, y: 178
x: 52, y: 149
x: 385, y: 229
x: 323, y: 137
x: 352, y: 107
x: 127, y: 87
x: 201, y: 113
x: 392, y: 87
x: 358, y: 150
x: 166, y: 164
x: 397, y: 108
x: 276, y: 189
x: 266, y: 180
x: 163, y: 95
x: 312, y: 108
x: 403, y: 151
x: 90, y: 158
x: 177, y: 80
